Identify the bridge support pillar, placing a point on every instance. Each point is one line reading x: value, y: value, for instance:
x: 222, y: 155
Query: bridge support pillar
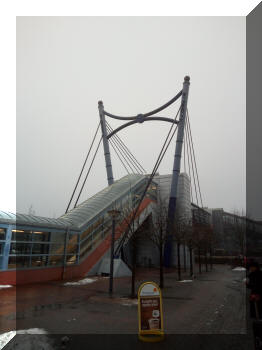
x: 176, y: 172
x: 109, y: 171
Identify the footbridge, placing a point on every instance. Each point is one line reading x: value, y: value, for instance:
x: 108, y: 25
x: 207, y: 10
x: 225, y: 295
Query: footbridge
x: 35, y: 249
x: 38, y: 249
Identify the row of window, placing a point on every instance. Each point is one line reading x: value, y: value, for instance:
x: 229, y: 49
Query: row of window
x: 98, y: 230
x: 33, y: 236
x: 37, y: 248
x: 15, y: 262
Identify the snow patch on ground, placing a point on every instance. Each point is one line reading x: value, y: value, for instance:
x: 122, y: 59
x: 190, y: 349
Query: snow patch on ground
x: 239, y: 268
x: 5, y: 286
x: 5, y: 338
x: 31, y: 342
x: 32, y: 331
x: 186, y: 281
x: 81, y: 282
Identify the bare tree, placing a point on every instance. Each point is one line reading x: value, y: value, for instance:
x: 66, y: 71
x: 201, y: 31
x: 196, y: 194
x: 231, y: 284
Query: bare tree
x: 190, y: 244
x: 182, y: 230
x: 202, y: 241
x: 158, y: 234
x: 197, y: 242
x: 130, y: 217
x: 206, y: 242
x: 238, y: 227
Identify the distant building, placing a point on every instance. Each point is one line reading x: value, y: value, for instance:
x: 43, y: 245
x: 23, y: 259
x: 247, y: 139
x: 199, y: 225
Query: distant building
x: 235, y: 234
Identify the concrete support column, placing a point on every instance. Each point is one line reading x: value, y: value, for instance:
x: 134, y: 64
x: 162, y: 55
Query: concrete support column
x: 176, y: 171
x: 109, y: 170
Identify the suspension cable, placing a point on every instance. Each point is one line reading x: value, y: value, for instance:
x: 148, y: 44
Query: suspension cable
x: 82, y: 168
x: 190, y: 134
x: 120, y: 152
x: 111, y: 143
x: 88, y: 172
x: 132, y: 167
x: 192, y: 165
x: 184, y: 153
x: 132, y: 158
x: 159, y: 159
x: 188, y: 161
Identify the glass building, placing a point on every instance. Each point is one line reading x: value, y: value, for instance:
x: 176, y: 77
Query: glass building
x: 36, y: 243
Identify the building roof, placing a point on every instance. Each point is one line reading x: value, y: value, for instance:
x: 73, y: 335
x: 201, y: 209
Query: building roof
x: 31, y: 220
x: 104, y: 199
x: 80, y: 216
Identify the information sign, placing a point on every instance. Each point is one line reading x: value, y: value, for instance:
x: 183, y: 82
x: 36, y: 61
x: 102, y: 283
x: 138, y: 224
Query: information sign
x: 150, y: 315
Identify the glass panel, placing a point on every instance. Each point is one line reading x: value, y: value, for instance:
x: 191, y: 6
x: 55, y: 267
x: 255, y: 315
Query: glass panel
x: 41, y: 236
x: 39, y: 261
x: 21, y: 235
x: 87, y: 232
x: 71, y: 260
x: 20, y: 248
x: 56, y: 249
x: 72, y: 248
x: 92, y: 227
x: 72, y: 243
x: 56, y: 260
x: 57, y: 237
x: 2, y: 233
x: 39, y: 248
x: 2, y: 248
x: 18, y: 261
x: 86, y: 246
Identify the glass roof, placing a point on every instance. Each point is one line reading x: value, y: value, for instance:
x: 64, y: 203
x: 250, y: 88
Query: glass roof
x: 80, y: 216
x: 31, y: 220
x: 86, y: 211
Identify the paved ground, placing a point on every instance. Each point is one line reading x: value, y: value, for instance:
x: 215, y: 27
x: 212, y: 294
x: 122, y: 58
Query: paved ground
x: 213, y: 304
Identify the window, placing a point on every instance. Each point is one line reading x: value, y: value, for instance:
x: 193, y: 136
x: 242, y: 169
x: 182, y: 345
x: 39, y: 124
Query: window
x: 2, y: 234
x: 57, y: 237
x: 39, y: 260
x: 71, y: 248
x: 56, y: 249
x: 18, y: 261
x: 21, y: 235
x: 20, y: 248
x: 56, y: 260
x: 71, y: 260
x: 39, y: 248
x: 40, y: 236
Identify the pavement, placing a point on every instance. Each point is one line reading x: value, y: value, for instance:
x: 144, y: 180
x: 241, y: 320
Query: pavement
x: 209, y: 311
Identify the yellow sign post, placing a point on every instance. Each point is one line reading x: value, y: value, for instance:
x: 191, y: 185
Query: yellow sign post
x: 150, y: 313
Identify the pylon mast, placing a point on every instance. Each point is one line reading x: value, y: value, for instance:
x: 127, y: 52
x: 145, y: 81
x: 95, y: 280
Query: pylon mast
x: 176, y: 172
x: 109, y: 171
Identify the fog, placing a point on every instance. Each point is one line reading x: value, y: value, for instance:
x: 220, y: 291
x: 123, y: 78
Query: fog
x: 134, y: 64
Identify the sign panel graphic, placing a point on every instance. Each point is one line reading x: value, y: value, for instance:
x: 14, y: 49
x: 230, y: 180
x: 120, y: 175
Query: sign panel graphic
x: 150, y: 310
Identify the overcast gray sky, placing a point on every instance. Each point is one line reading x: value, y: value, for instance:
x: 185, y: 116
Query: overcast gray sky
x: 134, y: 64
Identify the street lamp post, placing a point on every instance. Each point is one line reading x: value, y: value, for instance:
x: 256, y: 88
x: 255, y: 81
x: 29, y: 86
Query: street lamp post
x: 113, y: 213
